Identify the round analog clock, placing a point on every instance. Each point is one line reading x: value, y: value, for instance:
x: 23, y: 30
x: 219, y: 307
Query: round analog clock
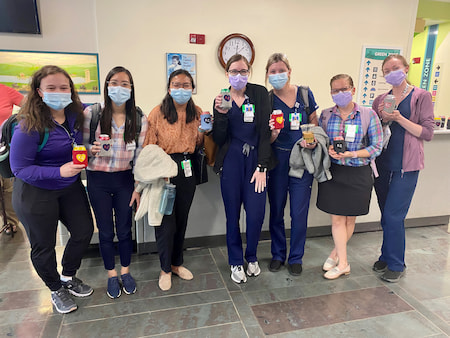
x: 235, y: 44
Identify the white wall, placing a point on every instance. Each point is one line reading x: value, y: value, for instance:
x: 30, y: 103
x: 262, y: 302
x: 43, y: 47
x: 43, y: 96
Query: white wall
x: 321, y: 38
x: 66, y: 26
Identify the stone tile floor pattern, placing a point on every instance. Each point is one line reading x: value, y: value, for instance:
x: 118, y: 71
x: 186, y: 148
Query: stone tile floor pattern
x: 272, y: 304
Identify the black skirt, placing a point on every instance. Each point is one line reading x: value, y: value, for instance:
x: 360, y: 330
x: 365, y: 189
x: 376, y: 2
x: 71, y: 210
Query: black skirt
x: 348, y: 193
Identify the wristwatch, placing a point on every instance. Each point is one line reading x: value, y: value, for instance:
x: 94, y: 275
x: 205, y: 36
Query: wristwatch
x: 261, y: 169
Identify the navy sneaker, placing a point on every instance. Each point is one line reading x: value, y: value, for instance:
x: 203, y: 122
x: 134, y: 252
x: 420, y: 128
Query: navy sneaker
x: 77, y: 288
x: 129, y: 285
x: 295, y: 269
x: 113, y: 290
x: 275, y: 265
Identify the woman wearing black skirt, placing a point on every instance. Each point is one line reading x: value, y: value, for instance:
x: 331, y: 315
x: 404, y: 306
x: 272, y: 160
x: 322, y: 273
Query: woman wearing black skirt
x: 356, y: 138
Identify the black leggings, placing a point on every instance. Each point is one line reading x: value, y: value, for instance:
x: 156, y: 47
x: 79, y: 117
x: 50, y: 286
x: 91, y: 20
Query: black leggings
x: 39, y: 210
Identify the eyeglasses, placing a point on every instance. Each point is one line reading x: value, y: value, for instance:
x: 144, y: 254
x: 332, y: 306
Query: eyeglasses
x: 337, y: 90
x: 178, y: 85
x: 114, y: 83
x: 235, y: 72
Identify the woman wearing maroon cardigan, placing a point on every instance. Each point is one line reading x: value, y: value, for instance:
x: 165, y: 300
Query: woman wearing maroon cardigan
x: 410, y: 124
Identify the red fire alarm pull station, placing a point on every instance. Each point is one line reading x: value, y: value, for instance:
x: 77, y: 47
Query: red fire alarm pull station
x: 415, y: 61
x: 198, y: 39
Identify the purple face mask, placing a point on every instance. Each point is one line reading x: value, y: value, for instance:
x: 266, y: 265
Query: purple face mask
x: 395, y: 77
x: 342, y: 99
x: 238, y: 81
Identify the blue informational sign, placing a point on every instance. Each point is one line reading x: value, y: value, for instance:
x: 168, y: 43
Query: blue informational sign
x: 429, y: 56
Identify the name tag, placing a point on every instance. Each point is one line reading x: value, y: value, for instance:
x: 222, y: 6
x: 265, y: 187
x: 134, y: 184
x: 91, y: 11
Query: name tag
x: 131, y: 146
x: 350, y: 133
x: 187, y: 168
x: 249, y: 112
x: 294, y: 119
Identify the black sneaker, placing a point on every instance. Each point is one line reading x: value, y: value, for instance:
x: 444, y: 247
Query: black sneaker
x: 77, y: 288
x: 295, y: 269
x: 275, y: 265
x: 379, y: 266
x: 62, y: 301
x: 392, y: 276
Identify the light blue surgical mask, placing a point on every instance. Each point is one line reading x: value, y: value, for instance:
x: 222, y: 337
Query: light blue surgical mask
x: 278, y: 80
x: 118, y: 94
x: 181, y: 96
x: 57, y: 101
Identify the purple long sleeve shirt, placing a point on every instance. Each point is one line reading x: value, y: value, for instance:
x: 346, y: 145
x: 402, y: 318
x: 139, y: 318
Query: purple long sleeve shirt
x: 42, y: 169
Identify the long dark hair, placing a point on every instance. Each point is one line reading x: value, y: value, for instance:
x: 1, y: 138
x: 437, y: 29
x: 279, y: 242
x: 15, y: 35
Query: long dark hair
x: 36, y: 113
x: 168, y: 107
x: 130, y: 108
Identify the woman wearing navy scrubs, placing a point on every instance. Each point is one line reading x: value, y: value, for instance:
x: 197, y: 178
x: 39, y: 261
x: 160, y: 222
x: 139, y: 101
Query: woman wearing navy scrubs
x: 410, y: 123
x: 287, y: 97
x: 243, y: 136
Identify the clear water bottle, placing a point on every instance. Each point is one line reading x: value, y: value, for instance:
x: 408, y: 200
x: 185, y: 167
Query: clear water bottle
x: 167, y: 199
x: 389, y: 103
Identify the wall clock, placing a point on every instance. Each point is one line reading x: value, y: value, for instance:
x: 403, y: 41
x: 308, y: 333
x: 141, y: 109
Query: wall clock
x: 235, y: 44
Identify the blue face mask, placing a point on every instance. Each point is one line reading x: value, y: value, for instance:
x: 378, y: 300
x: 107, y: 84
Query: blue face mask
x: 57, y: 101
x: 278, y: 80
x: 119, y: 95
x: 181, y: 96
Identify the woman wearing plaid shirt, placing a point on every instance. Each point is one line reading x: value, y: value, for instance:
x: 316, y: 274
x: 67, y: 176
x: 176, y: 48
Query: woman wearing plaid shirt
x: 110, y: 178
x: 348, y: 193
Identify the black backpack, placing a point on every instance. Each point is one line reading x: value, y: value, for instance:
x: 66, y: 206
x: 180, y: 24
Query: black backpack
x: 96, y: 110
x: 5, y: 143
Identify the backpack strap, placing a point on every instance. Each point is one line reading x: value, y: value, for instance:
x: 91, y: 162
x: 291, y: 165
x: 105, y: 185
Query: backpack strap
x: 96, y: 110
x: 304, y: 91
x: 324, y: 117
x: 139, y: 115
x: 43, y: 138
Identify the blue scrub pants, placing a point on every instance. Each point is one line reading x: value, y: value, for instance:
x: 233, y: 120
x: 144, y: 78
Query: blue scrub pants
x: 110, y: 195
x: 394, y: 190
x: 280, y: 183
x: 236, y: 189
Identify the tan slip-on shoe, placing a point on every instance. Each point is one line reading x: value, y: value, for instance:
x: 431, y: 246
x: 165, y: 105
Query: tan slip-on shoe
x: 165, y: 281
x: 182, y: 272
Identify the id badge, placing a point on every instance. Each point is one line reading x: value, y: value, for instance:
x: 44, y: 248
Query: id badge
x: 249, y: 112
x: 187, y: 168
x: 350, y: 132
x: 131, y: 146
x: 294, y: 119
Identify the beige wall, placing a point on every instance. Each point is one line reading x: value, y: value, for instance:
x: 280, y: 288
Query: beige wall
x: 321, y: 38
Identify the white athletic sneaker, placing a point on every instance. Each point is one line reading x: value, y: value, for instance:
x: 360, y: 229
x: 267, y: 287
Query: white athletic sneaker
x: 253, y: 269
x: 238, y: 274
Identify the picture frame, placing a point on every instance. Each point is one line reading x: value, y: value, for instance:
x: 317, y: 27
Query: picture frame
x: 175, y: 61
x: 18, y: 66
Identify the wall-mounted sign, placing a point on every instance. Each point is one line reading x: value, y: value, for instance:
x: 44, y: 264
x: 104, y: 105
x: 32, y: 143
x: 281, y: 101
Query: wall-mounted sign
x: 371, y: 80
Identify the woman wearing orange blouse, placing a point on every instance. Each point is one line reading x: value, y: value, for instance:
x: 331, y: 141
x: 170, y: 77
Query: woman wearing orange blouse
x: 174, y: 126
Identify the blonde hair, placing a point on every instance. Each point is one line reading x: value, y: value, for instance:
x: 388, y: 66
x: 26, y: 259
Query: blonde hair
x: 274, y: 58
x: 395, y: 56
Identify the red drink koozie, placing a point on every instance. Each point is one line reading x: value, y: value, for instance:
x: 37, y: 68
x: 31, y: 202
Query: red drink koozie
x: 79, y: 155
x: 277, y: 116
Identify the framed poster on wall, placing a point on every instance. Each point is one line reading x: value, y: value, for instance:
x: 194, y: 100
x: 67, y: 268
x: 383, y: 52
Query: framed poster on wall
x: 17, y: 68
x: 175, y: 61
x: 371, y: 79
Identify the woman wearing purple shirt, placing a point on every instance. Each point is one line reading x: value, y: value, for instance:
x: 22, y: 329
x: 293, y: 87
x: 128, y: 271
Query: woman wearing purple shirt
x: 48, y: 187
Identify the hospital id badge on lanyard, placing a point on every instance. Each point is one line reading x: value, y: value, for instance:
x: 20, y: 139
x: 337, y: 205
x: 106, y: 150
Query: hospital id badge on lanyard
x: 249, y: 112
x: 350, y: 132
x: 295, y: 118
x: 187, y: 167
x: 131, y: 146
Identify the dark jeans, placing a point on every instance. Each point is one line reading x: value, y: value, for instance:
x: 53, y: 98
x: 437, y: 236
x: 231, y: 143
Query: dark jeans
x: 170, y: 234
x: 110, y: 192
x: 39, y: 210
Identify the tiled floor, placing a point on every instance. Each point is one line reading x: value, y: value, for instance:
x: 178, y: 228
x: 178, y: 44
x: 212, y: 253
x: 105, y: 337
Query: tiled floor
x: 211, y: 305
